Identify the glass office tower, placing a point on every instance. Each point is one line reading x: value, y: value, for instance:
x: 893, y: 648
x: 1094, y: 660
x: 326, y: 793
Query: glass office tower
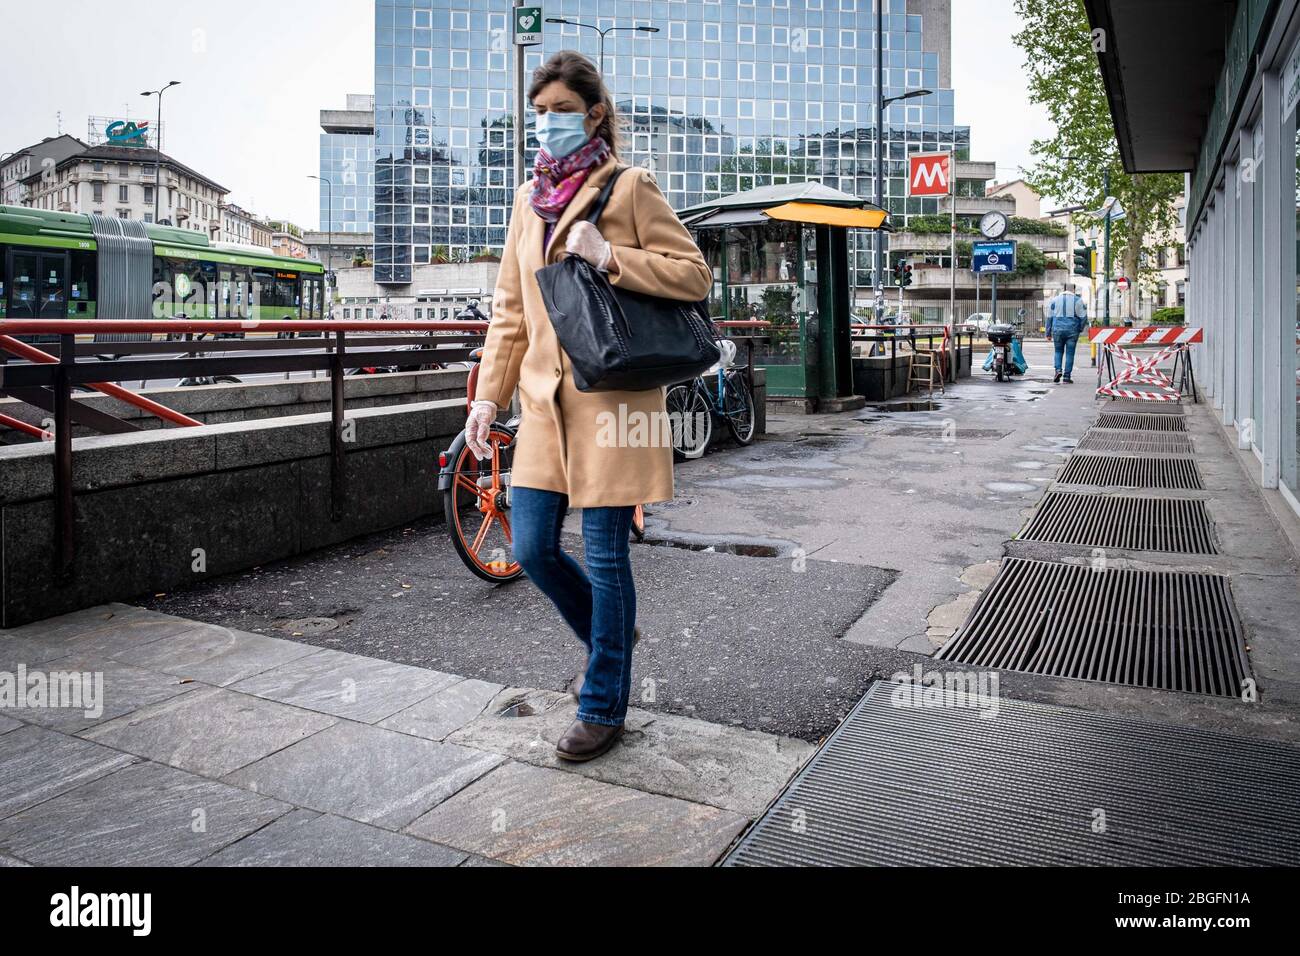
x: 727, y: 96
x: 347, y: 161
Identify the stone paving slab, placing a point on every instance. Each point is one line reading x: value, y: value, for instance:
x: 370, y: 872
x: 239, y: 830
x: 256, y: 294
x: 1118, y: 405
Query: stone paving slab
x: 366, y: 774
x: 527, y: 815
x: 65, y: 626
x: 30, y: 651
x: 307, y: 838
x: 726, y: 767
x: 125, y: 689
x: 210, y: 731
x: 446, y: 711
x: 216, y: 655
x: 144, y: 815
x: 37, y: 764
x: 346, y: 685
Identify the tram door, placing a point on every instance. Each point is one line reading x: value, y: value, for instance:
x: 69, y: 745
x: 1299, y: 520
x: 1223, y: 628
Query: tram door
x: 37, y: 286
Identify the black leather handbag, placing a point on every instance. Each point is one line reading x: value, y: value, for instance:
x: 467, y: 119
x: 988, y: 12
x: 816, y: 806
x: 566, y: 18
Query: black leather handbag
x: 618, y: 340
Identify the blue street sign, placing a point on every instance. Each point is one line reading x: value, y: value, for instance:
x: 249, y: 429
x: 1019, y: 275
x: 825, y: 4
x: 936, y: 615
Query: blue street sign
x: 993, y: 257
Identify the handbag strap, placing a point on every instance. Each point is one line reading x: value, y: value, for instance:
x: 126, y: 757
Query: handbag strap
x: 603, y: 199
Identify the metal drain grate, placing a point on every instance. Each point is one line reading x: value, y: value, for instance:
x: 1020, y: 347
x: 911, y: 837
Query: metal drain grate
x: 942, y: 786
x: 1117, y: 472
x: 1160, y: 629
x: 1179, y: 525
x: 1137, y: 443
x: 1142, y: 408
x: 1144, y: 422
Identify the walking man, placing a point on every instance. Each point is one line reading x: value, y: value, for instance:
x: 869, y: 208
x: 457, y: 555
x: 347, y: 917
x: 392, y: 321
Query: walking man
x: 1067, y: 317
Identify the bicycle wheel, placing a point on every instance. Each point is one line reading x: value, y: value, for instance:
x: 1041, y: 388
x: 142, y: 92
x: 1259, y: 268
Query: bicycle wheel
x: 692, y: 420
x: 738, y: 408
x: 477, y: 510
x: 638, y: 523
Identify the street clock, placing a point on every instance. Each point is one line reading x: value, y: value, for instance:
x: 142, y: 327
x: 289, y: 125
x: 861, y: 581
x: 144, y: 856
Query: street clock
x: 994, y: 225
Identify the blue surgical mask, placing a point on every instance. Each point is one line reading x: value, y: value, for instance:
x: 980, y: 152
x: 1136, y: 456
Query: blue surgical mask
x: 561, y: 133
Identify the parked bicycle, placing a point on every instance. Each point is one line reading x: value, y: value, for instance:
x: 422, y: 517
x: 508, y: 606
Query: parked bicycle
x: 723, y: 392
x: 476, y: 497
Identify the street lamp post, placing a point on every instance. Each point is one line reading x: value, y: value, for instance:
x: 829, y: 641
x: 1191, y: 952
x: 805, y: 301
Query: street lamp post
x: 157, y: 166
x: 592, y: 26
x: 882, y: 104
x: 329, y: 239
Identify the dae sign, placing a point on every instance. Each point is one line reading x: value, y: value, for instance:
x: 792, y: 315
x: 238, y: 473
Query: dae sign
x: 930, y: 174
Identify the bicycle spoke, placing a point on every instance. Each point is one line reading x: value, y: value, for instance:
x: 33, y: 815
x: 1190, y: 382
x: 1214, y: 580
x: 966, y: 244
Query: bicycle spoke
x: 472, y: 488
x: 481, y: 537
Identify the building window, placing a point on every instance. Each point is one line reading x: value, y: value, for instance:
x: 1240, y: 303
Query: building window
x: 713, y: 69
x: 423, y: 20
x: 745, y: 33
x: 745, y: 72
x: 422, y: 59
x: 460, y: 19
x: 712, y: 33
x: 124, y: 193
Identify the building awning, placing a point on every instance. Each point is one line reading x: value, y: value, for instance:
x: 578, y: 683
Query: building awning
x: 1160, y: 101
x: 728, y: 219
x: 829, y: 215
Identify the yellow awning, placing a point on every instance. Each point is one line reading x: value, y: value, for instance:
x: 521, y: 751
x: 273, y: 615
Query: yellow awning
x: 828, y: 215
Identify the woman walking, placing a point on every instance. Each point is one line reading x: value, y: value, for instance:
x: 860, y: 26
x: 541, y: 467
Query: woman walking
x: 563, y: 455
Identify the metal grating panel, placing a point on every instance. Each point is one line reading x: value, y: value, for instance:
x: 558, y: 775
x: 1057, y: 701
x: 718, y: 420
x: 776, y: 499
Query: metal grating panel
x: 1178, y: 525
x: 1160, y: 629
x: 1119, y: 472
x: 1142, y: 408
x: 1145, y: 422
x: 1137, y: 443
x: 945, y: 786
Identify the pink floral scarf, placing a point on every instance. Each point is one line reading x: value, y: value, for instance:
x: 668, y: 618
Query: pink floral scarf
x: 557, y: 181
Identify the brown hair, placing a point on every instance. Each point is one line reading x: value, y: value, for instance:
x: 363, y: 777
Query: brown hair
x: 580, y: 75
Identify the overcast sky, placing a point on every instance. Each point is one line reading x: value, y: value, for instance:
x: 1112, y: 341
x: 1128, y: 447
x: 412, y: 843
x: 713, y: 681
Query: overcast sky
x: 256, y: 73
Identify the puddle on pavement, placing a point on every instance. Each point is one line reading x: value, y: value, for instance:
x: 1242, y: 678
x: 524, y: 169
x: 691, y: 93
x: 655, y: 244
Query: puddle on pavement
x: 1009, y: 487
x: 712, y: 544
x: 903, y: 408
x: 771, y: 482
x: 1052, y: 445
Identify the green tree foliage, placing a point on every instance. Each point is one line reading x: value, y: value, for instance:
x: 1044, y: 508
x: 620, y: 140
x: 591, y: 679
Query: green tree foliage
x: 1064, y: 77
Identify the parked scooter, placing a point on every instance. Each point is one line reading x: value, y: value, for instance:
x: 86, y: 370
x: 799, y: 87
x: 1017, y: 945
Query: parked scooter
x: 1006, y: 358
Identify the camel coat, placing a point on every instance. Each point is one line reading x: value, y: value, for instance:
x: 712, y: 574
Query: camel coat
x: 564, y: 440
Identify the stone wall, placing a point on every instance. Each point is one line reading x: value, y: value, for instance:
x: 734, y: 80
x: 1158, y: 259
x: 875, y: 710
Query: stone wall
x: 239, y: 495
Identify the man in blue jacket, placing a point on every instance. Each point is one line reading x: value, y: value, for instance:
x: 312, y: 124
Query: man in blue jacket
x: 1067, y: 317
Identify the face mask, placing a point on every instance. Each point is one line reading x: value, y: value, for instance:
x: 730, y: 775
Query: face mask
x: 561, y: 133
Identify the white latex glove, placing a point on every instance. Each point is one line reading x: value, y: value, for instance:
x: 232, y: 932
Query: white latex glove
x: 478, y: 427
x: 585, y: 240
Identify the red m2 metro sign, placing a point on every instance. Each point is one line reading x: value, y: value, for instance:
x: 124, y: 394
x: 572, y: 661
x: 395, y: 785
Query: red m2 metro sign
x: 930, y: 174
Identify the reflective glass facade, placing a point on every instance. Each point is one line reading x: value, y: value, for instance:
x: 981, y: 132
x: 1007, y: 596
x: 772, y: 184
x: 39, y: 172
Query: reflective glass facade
x: 347, y: 160
x: 727, y: 96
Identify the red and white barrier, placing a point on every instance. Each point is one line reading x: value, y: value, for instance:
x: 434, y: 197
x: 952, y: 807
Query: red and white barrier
x: 1144, y: 369
x: 1156, y: 335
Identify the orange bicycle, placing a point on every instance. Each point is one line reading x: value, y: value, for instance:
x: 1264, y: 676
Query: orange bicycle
x: 476, y: 497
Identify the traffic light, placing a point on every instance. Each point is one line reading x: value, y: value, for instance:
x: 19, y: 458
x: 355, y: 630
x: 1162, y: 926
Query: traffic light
x: 1084, y: 260
x: 902, y: 273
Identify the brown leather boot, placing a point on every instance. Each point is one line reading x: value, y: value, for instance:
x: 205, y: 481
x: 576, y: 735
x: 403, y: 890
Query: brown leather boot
x: 575, y: 685
x: 584, y: 741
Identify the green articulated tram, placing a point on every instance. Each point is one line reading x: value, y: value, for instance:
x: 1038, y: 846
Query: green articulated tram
x: 65, y: 265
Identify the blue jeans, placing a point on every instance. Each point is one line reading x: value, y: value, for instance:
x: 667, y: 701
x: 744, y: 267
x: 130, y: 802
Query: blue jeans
x: 1066, y: 343
x: 598, y: 604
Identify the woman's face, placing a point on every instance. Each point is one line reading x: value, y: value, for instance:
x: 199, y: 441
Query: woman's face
x: 555, y: 97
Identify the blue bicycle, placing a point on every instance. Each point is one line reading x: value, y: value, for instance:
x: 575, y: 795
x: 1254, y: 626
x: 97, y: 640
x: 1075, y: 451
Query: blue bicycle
x: 724, y: 392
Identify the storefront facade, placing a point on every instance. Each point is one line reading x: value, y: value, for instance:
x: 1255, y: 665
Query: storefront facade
x: 1239, y: 65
